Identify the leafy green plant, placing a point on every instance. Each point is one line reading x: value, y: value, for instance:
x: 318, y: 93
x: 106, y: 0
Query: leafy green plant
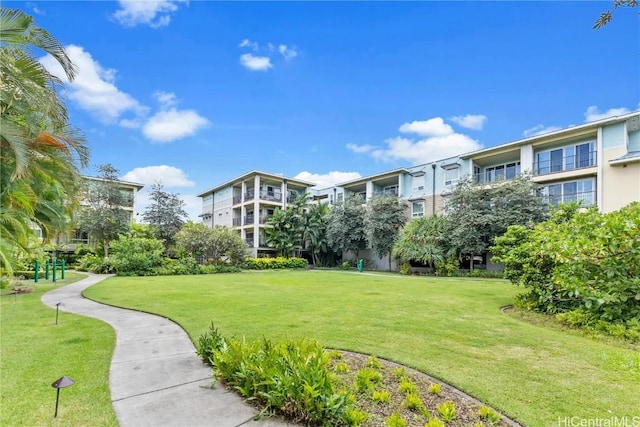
x: 407, y: 386
x: 434, y: 422
x: 395, y: 420
x: 381, y: 396
x: 366, y: 379
x: 342, y: 368
x: 435, y: 388
x: 374, y: 363
x: 210, y: 342
x: 405, y: 268
x: 346, y: 265
x: 447, y: 411
x: 355, y: 418
x: 334, y: 355
x: 399, y: 373
x: 413, y: 401
x: 489, y: 415
x: 274, y: 263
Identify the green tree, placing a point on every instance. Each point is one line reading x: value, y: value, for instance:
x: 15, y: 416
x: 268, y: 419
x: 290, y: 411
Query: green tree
x: 102, y: 214
x: 315, y: 232
x: 165, y: 214
x: 607, y: 16
x: 284, y: 232
x: 384, y: 217
x: 478, y: 213
x: 40, y: 151
x: 345, y: 226
x: 217, y: 245
x: 423, y: 240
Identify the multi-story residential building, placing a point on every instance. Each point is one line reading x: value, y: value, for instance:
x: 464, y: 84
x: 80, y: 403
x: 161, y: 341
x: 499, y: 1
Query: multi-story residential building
x: 596, y: 163
x: 246, y: 202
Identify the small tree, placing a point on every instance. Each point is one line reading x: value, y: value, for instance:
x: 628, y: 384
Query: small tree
x: 165, y: 214
x: 218, y: 245
x: 345, y: 226
x: 423, y: 240
x: 102, y: 215
x: 384, y: 217
x: 284, y: 232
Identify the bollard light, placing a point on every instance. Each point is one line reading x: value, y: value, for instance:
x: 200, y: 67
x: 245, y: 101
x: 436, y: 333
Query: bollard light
x: 58, y: 384
x: 57, y: 308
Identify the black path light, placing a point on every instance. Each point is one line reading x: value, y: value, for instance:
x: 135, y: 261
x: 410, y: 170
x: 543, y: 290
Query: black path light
x: 58, y: 384
x: 57, y: 308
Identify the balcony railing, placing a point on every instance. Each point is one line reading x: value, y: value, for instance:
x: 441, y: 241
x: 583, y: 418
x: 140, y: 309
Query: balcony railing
x: 249, y: 241
x: 248, y: 220
x: 272, y: 196
x: 248, y: 195
x: 567, y: 163
x: 585, y: 198
x: 495, y: 175
x: 237, y: 199
x: 237, y: 222
x: 388, y: 192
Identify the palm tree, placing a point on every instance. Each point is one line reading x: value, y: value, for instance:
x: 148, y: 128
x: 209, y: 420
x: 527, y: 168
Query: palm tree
x: 315, y: 232
x: 39, y: 150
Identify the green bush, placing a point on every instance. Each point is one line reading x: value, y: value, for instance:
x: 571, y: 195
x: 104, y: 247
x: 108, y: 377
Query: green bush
x: 180, y: 266
x: 446, y: 267
x: 137, y: 256
x: 209, y: 342
x: 578, y: 260
x: 346, y: 265
x: 274, y: 263
x: 447, y: 411
x: 96, y: 264
x: 487, y: 274
x: 291, y: 377
x: 405, y: 268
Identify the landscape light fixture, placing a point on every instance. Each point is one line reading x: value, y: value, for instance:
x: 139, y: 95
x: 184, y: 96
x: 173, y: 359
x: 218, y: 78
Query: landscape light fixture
x: 57, y: 308
x: 58, y: 384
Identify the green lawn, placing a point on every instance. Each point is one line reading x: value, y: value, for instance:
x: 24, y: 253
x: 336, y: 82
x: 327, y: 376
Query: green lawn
x: 450, y: 328
x: 34, y: 352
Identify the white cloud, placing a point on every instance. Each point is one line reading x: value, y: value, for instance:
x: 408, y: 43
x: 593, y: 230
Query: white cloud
x: 360, y: 148
x: 592, y: 114
x: 169, y: 125
x: 249, y: 43
x: 255, y: 63
x: 539, y: 130
x: 431, y: 127
x: 130, y: 123
x: 470, y: 121
x: 155, y: 13
x: 166, y: 99
x: 169, y: 176
x: 287, y: 52
x: 94, y: 87
x: 327, y: 179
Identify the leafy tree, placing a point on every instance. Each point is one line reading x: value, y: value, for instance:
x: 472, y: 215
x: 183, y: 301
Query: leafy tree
x: 384, y: 217
x: 607, y: 16
x: 165, y: 214
x: 217, y: 245
x: 39, y: 150
x: 137, y: 256
x: 284, y: 232
x: 102, y: 214
x: 345, y: 226
x: 479, y: 213
x: 423, y: 240
x: 315, y: 232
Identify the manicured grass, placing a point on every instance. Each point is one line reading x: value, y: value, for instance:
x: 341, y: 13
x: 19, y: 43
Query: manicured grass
x: 447, y: 327
x: 35, y: 352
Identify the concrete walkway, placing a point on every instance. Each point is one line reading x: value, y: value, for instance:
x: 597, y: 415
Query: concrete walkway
x: 156, y: 379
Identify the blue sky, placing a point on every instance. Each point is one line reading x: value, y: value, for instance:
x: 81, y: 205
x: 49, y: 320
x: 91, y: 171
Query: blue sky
x: 195, y: 93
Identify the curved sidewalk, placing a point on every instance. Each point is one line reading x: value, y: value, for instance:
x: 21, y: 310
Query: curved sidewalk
x: 156, y: 379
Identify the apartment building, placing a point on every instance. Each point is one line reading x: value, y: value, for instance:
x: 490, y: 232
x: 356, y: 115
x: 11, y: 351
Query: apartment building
x: 246, y: 202
x: 597, y: 163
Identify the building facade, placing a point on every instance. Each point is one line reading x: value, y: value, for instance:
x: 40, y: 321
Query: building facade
x: 597, y: 164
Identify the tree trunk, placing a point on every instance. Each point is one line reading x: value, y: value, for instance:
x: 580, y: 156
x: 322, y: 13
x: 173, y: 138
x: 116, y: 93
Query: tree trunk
x: 105, y: 245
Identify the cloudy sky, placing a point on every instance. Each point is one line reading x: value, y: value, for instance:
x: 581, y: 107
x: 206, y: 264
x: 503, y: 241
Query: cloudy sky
x: 192, y: 94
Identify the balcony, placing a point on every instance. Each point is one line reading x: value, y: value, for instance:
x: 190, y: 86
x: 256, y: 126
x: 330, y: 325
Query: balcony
x: 248, y: 220
x: 272, y: 196
x: 558, y: 163
x: 496, y: 174
x: 249, y: 241
x: 386, y: 192
x: 236, y: 222
x: 585, y: 198
x: 237, y: 199
x: 249, y: 194
x: 264, y: 218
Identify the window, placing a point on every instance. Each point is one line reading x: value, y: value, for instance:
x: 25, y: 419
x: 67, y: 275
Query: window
x: 451, y: 176
x: 417, y: 182
x: 581, y: 191
x: 417, y: 209
x: 340, y: 197
x: 502, y: 172
x: 571, y: 157
x: 390, y: 190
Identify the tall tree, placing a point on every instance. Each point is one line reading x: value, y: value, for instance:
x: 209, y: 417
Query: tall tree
x: 423, y: 240
x: 384, y: 217
x: 39, y: 150
x: 283, y: 232
x: 165, y: 214
x: 478, y: 213
x: 345, y: 226
x: 315, y: 232
x: 102, y: 214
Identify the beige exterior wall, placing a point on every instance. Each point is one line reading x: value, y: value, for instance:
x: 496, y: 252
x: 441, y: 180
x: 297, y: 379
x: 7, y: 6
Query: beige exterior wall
x: 620, y: 183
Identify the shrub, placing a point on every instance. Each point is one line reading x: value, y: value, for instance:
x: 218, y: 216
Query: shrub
x: 487, y: 274
x: 434, y: 422
x: 291, y: 378
x: 405, y: 268
x: 399, y: 373
x: 137, y: 256
x: 446, y: 267
x: 366, y: 379
x: 413, y: 401
x: 210, y: 342
x: 406, y: 386
x: 395, y: 420
x: 435, y: 389
x: 334, y: 355
x: 342, y: 368
x: 447, y: 411
x: 346, y: 265
x: 354, y: 417
x: 489, y: 415
x: 374, y: 363
x: 381, y: 396
x: 274, y: 263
